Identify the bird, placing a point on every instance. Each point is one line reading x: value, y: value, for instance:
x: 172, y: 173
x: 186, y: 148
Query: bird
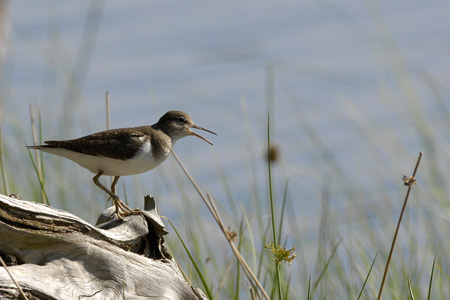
x: 125, y: 151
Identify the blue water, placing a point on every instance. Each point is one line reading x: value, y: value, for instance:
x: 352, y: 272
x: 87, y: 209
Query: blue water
x: 336, y: 69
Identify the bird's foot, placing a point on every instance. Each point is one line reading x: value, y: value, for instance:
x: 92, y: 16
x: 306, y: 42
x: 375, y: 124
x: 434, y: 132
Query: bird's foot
x: 123, y: 210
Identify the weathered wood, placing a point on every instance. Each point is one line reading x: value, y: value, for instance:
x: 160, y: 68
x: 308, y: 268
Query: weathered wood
x: 56, y: 255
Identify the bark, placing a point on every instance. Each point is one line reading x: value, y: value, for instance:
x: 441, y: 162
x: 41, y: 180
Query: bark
x: 53, y: 254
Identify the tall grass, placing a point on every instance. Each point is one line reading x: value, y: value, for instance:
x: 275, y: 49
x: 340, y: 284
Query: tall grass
x: 343, y: 249
x: 341, y: 265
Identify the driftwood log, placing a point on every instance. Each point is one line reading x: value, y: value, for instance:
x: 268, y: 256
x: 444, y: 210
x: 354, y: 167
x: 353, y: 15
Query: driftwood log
x: 53, y: 254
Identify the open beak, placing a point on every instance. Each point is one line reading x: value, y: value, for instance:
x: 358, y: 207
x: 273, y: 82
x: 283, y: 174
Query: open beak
x: 199, y: 136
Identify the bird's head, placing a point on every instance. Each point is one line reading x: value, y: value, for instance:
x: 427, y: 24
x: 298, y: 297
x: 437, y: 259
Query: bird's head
x: 178, y: 124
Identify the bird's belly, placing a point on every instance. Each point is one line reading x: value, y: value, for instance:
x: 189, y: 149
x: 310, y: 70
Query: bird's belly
x: 140, y: 163
x: 118, y: 167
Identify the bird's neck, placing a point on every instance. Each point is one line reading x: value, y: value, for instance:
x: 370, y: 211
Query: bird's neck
x: 161, y: 144
x: 166, y: 133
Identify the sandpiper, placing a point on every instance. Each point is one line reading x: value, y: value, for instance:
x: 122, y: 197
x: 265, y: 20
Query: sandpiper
x: 125, y: 151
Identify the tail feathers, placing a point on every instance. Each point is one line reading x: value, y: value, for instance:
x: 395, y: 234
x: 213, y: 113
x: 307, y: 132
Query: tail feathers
x: 38, y: 146
x: 34, y: 147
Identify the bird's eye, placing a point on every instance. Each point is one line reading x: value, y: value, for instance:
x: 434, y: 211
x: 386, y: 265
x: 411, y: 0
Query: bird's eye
x: 181, y: 120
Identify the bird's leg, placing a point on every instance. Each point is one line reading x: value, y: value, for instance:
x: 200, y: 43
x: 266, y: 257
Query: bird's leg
x: 122, y: 204
x: 113, y: 184
x: 113, y: 196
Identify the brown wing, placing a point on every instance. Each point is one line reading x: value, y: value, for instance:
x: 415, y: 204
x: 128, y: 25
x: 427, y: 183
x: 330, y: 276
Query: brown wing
x: 115, y: 143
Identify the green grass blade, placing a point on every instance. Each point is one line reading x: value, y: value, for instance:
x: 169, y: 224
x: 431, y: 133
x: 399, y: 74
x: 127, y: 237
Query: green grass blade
x: 261, y: 255
x: 2, y: 167
x: 322, y: 274
x: 202, y: 278
x: 309, y: 287
x: 41, y: 182
x: 38, y: 163
x: 283, y: 208
x: 272, y: 211
x: 411, y: 294
x: 431, y: 279
x: 440, y: 269
x: 41, y: 142
x: 288, y: 284
x: 367, y: 277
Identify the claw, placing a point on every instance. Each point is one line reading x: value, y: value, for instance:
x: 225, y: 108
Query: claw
x: 122, y: 209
